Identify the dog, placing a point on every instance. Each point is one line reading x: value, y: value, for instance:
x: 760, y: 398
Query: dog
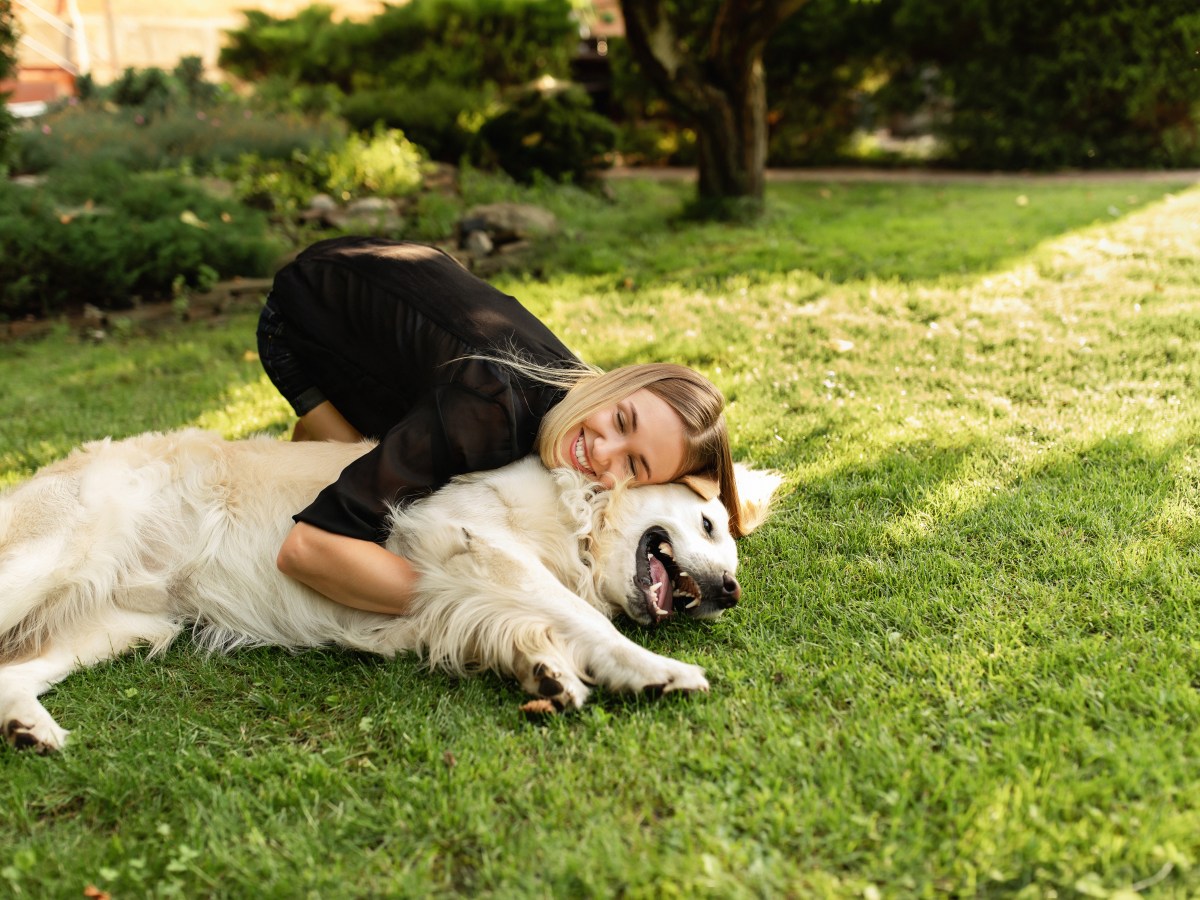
x: 521, y: 569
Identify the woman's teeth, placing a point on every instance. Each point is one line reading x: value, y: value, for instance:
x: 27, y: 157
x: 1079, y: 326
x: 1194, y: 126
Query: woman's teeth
x: 581, y: 456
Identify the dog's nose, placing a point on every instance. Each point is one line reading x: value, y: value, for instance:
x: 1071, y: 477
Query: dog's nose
x: 731, y: 592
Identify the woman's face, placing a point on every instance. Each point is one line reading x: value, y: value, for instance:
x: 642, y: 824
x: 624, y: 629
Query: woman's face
x: 641, y: 436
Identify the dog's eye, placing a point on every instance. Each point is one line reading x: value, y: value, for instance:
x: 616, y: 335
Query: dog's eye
x: 708, y: 525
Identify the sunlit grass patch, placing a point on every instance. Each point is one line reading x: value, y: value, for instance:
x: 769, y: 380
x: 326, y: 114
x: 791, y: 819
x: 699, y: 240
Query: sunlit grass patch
x: 965, y: 663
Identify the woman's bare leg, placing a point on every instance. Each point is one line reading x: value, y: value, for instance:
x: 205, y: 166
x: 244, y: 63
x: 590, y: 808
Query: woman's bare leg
x: 324, y: 423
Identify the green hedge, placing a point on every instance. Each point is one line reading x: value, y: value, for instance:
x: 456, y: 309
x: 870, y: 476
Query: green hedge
x: 1004, y: 84
x: 105, y: 237
x: 1027, y: 83
x: 470, y: 43
x: 434, y: 69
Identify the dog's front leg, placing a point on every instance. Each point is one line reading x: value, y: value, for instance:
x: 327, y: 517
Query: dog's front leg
x: 524, y: 622
x: 611, y: 659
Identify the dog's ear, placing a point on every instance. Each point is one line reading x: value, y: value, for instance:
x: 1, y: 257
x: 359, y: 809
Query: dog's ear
x: 707, y: 488
x: 756, y: 490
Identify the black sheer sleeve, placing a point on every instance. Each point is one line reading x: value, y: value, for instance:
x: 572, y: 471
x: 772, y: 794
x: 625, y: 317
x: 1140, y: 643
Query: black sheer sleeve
x: 452, y: 431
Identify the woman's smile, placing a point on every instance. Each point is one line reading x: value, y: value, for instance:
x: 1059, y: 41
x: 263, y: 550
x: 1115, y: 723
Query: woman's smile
x: 641, y: 438
x: 581, y: 460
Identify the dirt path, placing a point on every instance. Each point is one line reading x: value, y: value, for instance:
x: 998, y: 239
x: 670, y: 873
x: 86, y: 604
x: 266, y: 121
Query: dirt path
x: 927, y: 176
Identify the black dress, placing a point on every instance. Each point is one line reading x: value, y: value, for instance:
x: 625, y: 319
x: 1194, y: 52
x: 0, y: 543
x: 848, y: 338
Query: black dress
x: 385, y: 330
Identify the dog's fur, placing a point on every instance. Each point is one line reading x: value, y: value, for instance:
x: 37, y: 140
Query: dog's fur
x: 125, y: 543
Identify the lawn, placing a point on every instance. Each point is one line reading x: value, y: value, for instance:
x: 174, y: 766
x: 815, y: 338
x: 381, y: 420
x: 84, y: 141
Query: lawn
x: 966, y: 662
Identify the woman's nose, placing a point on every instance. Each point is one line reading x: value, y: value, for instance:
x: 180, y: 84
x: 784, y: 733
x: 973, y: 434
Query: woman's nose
x: 609, y: 455
x: 606, y: 448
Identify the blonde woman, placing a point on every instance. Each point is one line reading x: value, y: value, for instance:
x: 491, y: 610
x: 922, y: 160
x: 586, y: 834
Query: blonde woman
x: 399, y: 343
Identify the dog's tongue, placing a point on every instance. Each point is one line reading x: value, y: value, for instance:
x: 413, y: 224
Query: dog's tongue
x: 658, y: 575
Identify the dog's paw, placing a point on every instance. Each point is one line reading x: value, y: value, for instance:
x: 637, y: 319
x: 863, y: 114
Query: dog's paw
x: 678, y: 678
x: 555, y: 683
x: 628, y: 667
x: 40, y: 734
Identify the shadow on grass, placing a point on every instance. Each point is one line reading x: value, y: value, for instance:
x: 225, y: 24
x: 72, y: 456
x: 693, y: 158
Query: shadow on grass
x: 846, y: 232
x: 926, y: 538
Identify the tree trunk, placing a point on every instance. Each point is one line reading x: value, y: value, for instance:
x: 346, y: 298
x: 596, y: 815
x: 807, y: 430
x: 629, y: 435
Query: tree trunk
x: 710, y: 69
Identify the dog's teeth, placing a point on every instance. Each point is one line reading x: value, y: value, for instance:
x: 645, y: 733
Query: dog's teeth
x: 683, y: 574
x: 666, y: 549
x: 693, y: 604
x: 656, y: 587
x: 662, y: 612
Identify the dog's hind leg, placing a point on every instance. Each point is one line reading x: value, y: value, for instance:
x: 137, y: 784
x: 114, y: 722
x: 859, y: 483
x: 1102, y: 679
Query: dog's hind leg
x: 24, y: 721
x: 547, y: 673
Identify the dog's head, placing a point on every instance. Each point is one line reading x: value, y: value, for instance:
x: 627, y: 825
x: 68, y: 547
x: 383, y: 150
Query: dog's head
x: 664, y: 551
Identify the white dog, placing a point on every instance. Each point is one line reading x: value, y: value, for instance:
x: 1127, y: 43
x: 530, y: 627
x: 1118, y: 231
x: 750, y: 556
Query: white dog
x: 125, y: 543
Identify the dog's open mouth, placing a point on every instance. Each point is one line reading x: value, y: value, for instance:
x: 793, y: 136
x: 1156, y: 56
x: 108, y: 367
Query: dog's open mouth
x: 666, y: 588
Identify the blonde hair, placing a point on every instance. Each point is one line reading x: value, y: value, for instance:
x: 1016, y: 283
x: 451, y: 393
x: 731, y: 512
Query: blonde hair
x: 697, y: 401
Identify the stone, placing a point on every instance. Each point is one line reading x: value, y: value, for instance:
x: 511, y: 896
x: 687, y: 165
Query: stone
x: 507, y: 222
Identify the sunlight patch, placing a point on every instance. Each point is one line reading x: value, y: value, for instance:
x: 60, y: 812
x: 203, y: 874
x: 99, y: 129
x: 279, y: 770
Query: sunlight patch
x: 249, y: 409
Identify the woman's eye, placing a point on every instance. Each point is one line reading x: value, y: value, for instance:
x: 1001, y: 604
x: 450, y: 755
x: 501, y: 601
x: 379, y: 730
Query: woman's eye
x: 620, y: 422
x: 632, y: 467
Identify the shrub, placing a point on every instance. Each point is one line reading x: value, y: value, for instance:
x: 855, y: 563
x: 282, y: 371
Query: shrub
x: 552, y: 132
x: 1044, y: 85
x: 437, y: 116
x: 385, y: 165
x: 281, y: 187
x: 105, y: 237
x: 464, y: 42
x: 816, y: 65
x: 309, y: 48
x: 89, y: 134
x: 469, y: 42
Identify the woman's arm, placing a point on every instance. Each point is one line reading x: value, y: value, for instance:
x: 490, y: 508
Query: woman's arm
x: 359, y: 574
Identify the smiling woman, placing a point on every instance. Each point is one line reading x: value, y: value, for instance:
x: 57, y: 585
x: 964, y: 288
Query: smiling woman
x: 398, y: 342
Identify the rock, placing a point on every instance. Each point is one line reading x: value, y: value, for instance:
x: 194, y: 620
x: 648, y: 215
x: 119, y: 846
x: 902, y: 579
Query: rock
x: 322, y: 203
x: 507, y: 222
x: 478, y: 243
x: 369, y: 215
x: 366, y: 206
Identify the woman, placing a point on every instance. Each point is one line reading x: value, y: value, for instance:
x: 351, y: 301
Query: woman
x: 400, y: 343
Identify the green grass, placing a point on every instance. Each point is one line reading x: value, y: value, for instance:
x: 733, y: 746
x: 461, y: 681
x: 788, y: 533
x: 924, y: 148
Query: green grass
x: 967, y: 661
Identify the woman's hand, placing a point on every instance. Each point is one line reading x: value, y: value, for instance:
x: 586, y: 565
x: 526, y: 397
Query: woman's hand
x: 359, y: 574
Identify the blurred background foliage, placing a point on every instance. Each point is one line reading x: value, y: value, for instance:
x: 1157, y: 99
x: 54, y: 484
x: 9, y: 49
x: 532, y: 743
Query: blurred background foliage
x: 315, y: 105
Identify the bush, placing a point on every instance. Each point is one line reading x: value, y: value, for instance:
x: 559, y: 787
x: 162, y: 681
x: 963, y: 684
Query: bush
x: 552, y: 132
x: 90, y: 133
x: 465, y: 42
x: 1044, y: 85
x: 106, y: 238
x: 816, y: 66
x: 309, y: 48
x: 437, y: 116
x: 384, y: 165
x: 469, y: 42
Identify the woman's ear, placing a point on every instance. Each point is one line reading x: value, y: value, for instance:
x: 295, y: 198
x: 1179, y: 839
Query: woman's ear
x: 756, y: 491
x: 706, y: 487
